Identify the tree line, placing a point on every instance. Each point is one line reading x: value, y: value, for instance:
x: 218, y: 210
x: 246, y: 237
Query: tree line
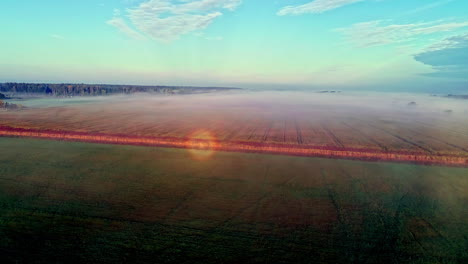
x: 10, y: 106
x: 64, y: 89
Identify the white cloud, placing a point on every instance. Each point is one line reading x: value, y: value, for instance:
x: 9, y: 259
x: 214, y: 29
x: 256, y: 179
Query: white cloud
x: 121, y: 25
x: 167, y: 20
x: 460, y: 41
x: 314, y: 7
x: 375, y: 33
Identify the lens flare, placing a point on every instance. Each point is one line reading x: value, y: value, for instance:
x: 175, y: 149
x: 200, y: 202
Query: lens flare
x: 201, y: 144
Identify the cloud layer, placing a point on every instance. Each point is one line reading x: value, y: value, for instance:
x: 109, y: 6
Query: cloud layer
x: 449, y: 57
x: 375, y: 33
x: 167, y: 20
x: 314, y: 7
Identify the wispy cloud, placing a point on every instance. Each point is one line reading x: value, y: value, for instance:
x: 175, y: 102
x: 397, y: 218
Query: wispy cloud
x: 121, y: 25
x: 375, y: 33
x: 459, y: 41
x: 57, y: 36
x: 167, y: 20
x: 449, y: 57
x: 428, y: 6
x: 314, y: 7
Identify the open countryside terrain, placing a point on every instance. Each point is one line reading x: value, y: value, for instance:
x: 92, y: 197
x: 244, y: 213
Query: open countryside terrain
x: 68, y: 202
x: 289, y: 124
x: 190, y: 179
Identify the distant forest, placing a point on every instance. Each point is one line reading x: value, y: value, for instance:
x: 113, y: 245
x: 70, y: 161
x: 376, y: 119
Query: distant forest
x: 99, y: 89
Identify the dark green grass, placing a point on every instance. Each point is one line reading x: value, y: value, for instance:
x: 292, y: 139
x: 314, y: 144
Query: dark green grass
x: 64, y: 202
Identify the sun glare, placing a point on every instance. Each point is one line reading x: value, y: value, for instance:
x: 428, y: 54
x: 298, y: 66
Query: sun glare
x: 201, y: 144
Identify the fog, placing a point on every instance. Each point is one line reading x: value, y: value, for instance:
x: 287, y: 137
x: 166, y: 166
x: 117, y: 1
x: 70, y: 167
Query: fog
x: 269, y: 98
x: 381, y: 121
x: 247, y: 105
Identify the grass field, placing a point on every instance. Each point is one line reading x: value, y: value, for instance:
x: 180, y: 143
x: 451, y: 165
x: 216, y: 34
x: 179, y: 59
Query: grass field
x: 63, y: 202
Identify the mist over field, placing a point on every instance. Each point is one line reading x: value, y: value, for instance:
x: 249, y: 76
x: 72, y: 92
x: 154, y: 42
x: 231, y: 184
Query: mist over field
x: 281, y: 101
x: 360, y: 177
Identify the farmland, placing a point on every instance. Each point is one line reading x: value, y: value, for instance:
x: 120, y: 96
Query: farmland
x: 251, y: 123
x: 191, y: 179
x: 101, y: 203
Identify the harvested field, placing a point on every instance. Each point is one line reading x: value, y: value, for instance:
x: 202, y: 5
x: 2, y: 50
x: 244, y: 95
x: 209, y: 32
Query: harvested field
x: 239, y: 146
x: 305, y: 125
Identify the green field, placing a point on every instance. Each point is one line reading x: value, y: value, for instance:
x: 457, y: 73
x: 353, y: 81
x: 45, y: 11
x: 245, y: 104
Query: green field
x: 63, y: 202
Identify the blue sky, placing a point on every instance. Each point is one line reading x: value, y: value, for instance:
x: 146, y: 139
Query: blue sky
x: 347, y: 44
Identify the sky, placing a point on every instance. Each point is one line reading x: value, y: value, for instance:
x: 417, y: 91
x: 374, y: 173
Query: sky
x: 402, y: 45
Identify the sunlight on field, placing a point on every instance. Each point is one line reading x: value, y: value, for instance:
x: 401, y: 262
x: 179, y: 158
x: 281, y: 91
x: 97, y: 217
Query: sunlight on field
x: 201, y: 144
x: 400, y: 127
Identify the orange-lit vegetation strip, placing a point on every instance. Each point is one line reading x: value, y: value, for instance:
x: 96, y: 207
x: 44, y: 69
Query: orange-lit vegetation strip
x: 243, y: 146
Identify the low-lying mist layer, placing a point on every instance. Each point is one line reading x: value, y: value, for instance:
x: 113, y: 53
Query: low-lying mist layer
x: 432, y: 129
